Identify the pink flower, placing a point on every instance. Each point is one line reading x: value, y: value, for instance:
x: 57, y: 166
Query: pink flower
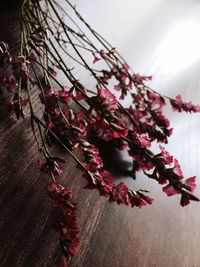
x: 125, y: 67
x: 156, y: 176
x: 95, y: 163
x: 189, y: 106
x: 179, y: 105
x: 191, y: 182
x: 108, y: 131
x: 50, y: 165
x: 56, y: 191
x: 196, y: 108
x: 78, y: 125
x: 186, y: 197
x: 138, y: 79
x: 155, y: 99
x: 179, y: 100
x: 102, y: 53
x: 139, y: 200
x: 62, y: 262
x: 106, y: 183
x: 89, y: 148
x: 145, y: 198
x: 51, y: 125
x: 166, y: 157
x: 118, y: 130
x: 120, y: 194
x: 64, y: 220
x: 170, y: 190
x: 63, y: 95
x: 130, y: 84
x: 138, y: 139
x: 74, y: 247
x: 142, y: 162
x: 106, y: 99
x: 160, y: 119
x: 117, y: 87
x: 103, y: 181
x: 177, y: 169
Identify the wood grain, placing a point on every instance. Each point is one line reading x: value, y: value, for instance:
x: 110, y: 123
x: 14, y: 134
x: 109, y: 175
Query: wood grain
x: 164, y: 235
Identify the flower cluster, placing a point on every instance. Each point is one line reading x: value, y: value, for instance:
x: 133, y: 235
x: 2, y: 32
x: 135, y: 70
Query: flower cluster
x: 71, y: 113
x: 102, y: 180
x: 64, y: 221
x: 179, y: 105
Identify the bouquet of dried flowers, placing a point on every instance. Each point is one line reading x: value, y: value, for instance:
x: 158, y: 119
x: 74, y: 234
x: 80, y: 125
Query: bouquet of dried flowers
x: 56, y: 45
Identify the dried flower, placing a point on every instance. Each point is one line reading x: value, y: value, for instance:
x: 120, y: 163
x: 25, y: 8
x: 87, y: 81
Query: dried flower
x: 71, y: 111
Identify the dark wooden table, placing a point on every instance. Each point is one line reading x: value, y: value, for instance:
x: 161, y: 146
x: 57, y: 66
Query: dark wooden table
x: 164, y: 235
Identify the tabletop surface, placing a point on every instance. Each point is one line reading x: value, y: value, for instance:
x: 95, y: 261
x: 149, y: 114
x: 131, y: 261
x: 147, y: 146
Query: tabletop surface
x: 161, y: 38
